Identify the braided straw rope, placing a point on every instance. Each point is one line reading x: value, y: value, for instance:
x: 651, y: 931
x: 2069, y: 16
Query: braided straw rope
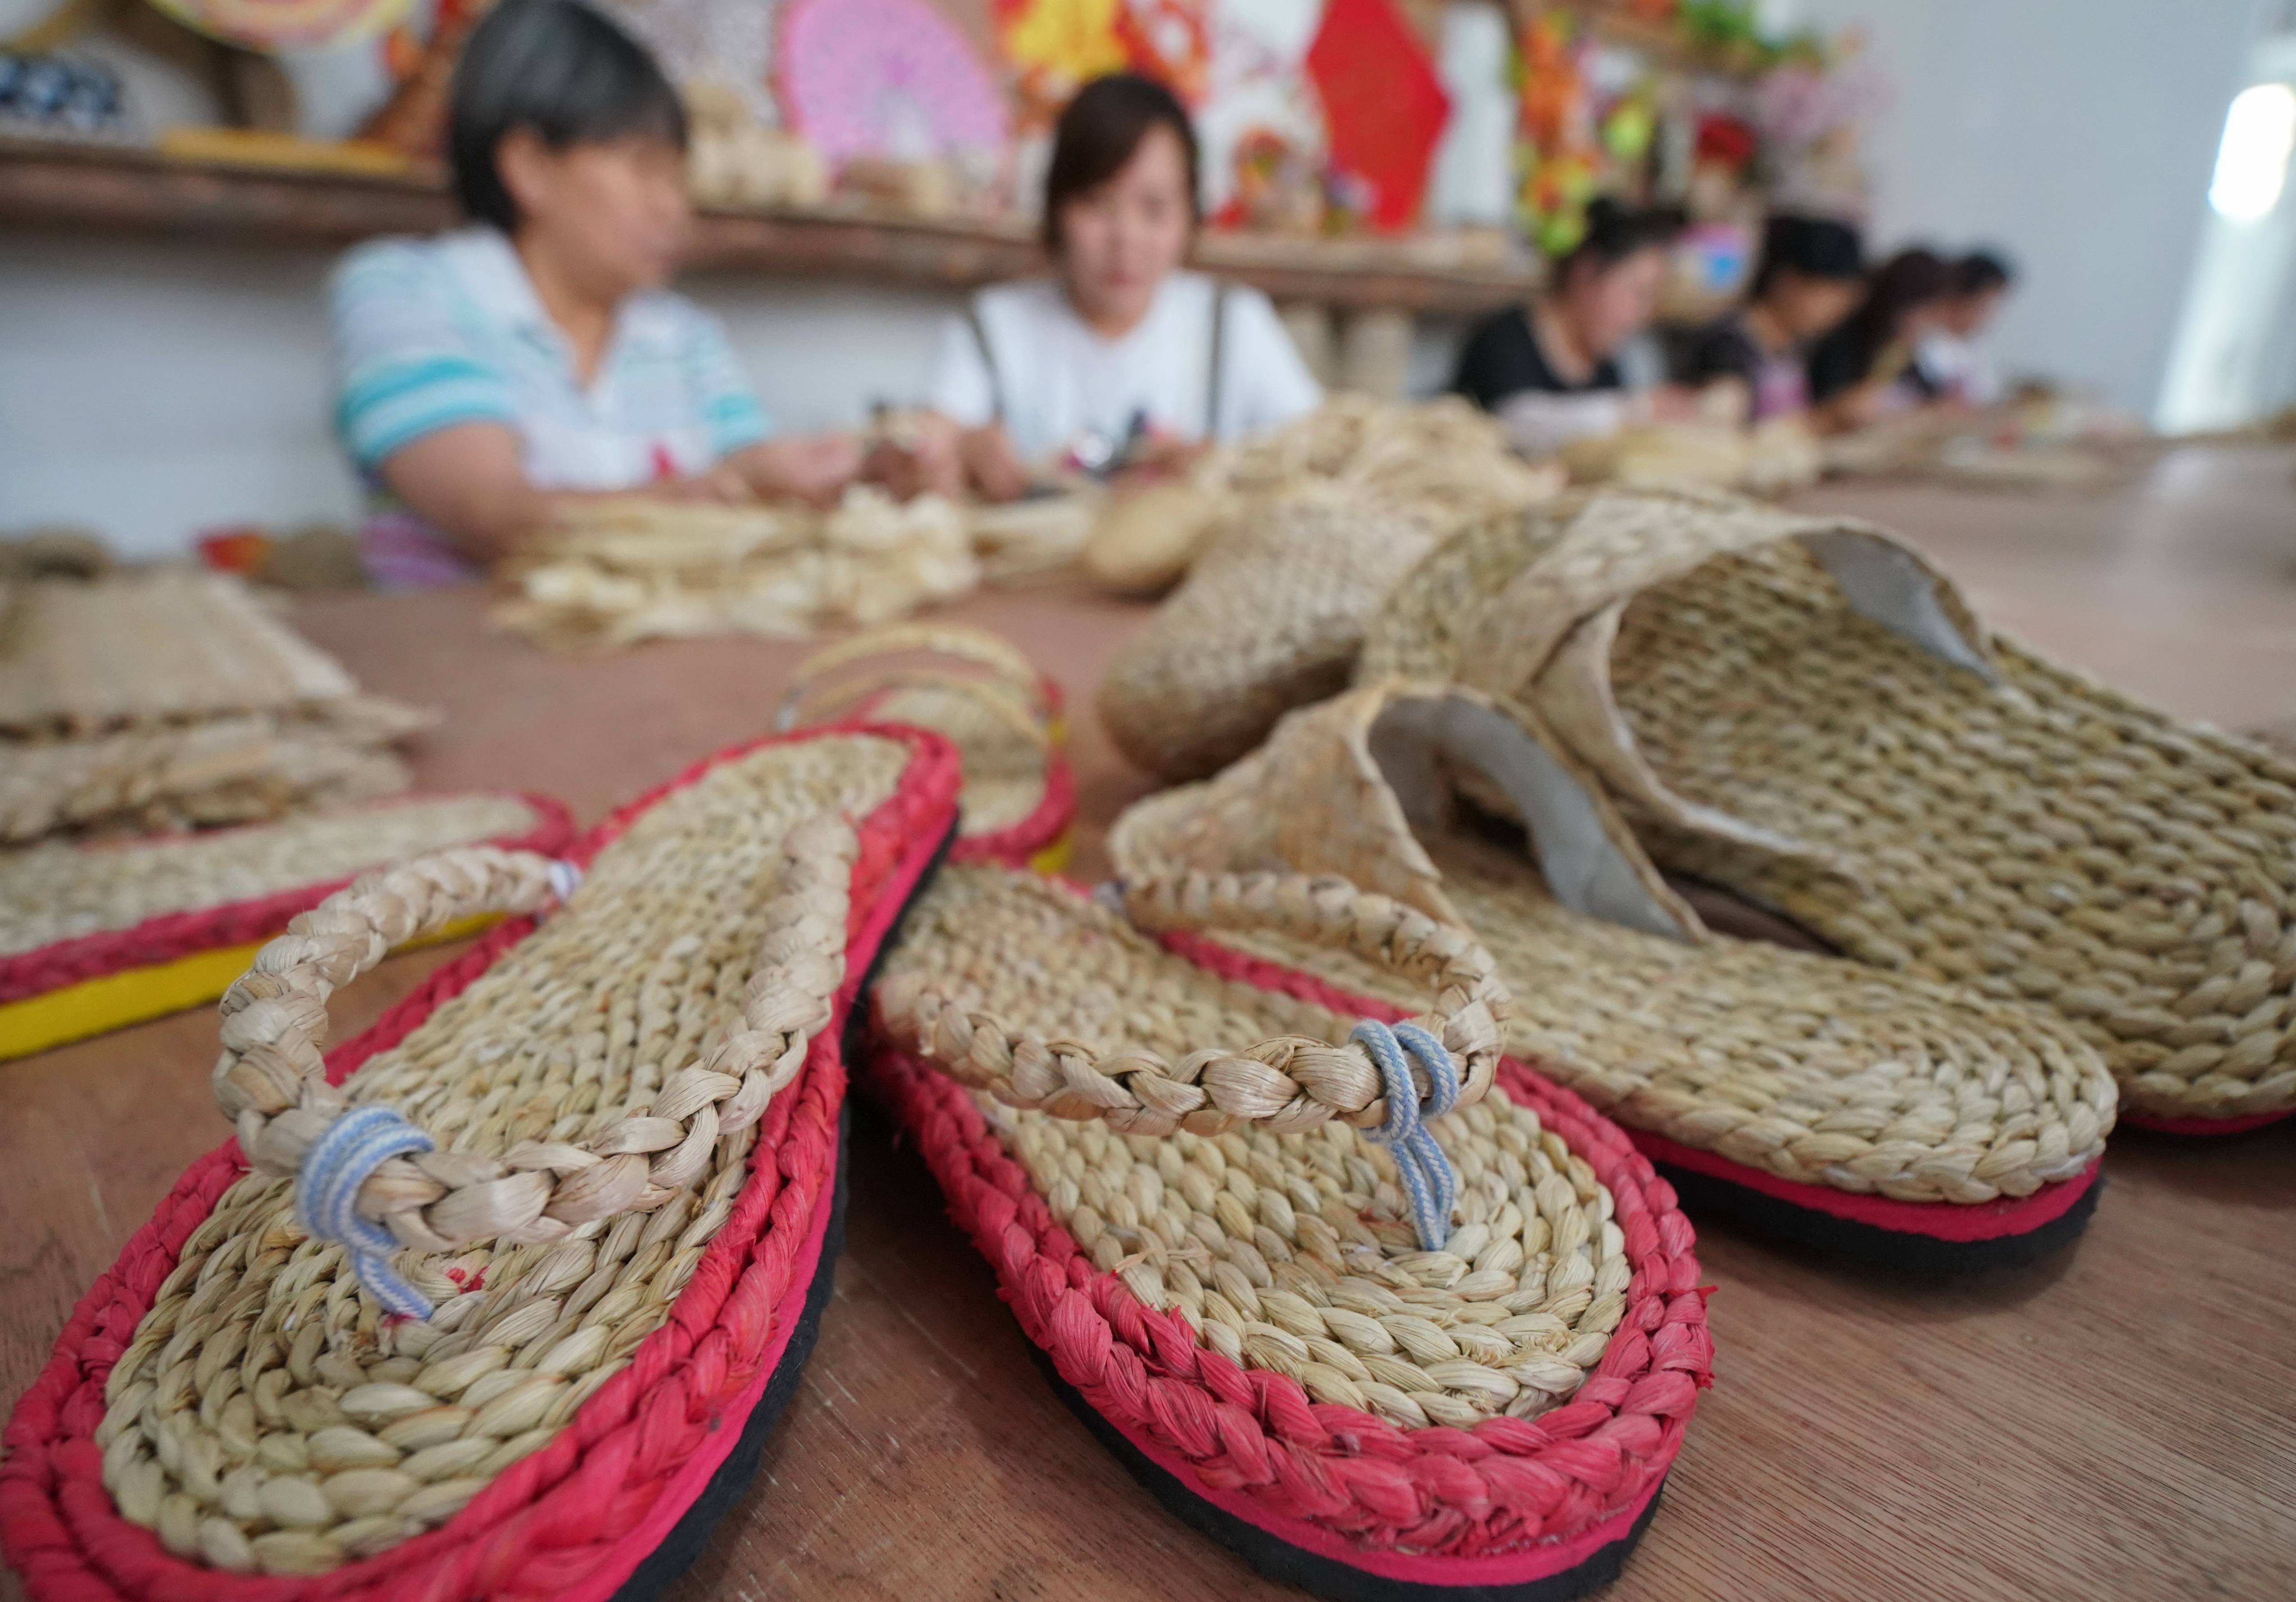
x: 55, y: 892
x: 2043, y: 840
x: 1279, y: 1233
x: 982, y: 693
x: 1319, y: 519
x: 264, y: 1417
x: 1806, y: 1068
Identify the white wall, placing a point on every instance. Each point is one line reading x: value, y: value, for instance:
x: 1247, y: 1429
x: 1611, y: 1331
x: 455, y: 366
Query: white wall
x: 2077, y: 134
x: 151, y: 390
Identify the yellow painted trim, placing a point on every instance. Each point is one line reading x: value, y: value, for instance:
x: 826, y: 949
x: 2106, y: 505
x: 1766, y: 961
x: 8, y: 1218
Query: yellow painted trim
x: 114, y: 1000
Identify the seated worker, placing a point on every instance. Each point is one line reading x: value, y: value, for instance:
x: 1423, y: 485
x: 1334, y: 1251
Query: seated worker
x: 487, y: 375
x: 1549, y: 371
x: 1948, y: 361
x: 1864, y: 370
x: 1812, y: 271
x: 1119, y: 357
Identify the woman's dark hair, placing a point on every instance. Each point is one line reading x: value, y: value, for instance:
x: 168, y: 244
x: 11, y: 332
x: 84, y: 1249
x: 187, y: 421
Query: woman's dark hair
x: 1816, y: 247
x: 561, y: 69
x: 1101, y: 130
x: 1980, y: 272
x: 1907, y: 281
x: 1614, y: 233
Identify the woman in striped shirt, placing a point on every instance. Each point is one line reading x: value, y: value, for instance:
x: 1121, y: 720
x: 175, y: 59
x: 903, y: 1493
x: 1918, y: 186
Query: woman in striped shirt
x: 485, y: 375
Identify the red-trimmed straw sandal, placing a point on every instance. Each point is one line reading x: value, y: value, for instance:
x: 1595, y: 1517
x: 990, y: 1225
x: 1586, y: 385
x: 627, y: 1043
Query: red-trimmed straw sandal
x: 1003, y: 715
x: 1803, y: 710
x: 521, y: 1279
x: 1386, y: 1314
x: 96, y: 938
x: 1895, y: 1121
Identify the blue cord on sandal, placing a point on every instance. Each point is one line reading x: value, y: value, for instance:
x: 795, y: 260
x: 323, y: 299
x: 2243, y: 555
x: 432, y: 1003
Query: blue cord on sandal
x: 326, y: 1194
x: 1429, y: 1184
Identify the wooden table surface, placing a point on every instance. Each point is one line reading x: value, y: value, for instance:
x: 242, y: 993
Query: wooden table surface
x: 2117, y: 1423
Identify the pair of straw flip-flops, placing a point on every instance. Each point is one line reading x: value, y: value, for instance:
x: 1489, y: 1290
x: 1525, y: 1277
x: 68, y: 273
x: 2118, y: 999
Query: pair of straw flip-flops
x: 501, y: 1297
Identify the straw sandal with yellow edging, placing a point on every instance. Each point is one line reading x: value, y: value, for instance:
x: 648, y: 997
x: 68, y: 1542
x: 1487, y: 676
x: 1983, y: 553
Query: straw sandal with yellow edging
x: 1239, y: 1261
x: 1891, y: 1120
x: 1001, y: 712
x: 96, y: 938
x: 522, y: 1274
x: 1802, y: 710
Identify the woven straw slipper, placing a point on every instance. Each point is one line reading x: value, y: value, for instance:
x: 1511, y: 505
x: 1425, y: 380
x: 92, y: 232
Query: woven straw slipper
x: 603, y: 1283
x: 95, y: 938
x: 1318, y: 522
x: 1802, y: 710
x: 1001, y: 712
x: 1238, y: 1260
x: 1892, y: 1120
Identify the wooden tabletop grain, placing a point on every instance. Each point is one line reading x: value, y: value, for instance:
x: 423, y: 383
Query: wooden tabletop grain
x: 2117, y: 1423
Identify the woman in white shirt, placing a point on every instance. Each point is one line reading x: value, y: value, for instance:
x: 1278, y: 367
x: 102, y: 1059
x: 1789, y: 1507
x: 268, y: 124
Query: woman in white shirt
x: 1120, y: 357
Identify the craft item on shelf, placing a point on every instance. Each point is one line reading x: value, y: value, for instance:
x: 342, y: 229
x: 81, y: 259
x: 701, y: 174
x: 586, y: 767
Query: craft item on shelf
x: 276, y: 25
x: 265, y: 147
x: 924, y: 189
x: 1473, y: 180
x: 735, y: 161
x: 1772, y: 458
x: 214, y: 770
x: 68, y: 97
x: 729, y: 43
x: 1383, y: 105
x: 1169, y: 41
x: 94, y: 938
x: 414, y: 119
x: 1260, y: 124
x: 889, y: 79
x: 617, y: 571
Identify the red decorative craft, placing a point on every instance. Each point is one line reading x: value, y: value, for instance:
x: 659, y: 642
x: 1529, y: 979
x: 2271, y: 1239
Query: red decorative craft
x: 1384, y: 104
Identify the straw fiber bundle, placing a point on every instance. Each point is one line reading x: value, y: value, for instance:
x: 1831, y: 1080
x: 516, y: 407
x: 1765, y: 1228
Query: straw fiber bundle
x: 1809, y: 1069
x: 1800, y: 709
x: 1329, y: 513
x: 1000, y: 713
x: 1188, y: 1222
x: 599, y: 1258
x: 1772, y: 458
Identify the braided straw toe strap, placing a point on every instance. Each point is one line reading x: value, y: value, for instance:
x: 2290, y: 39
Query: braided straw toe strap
x: 1287, y: 1084
x: 1013, y: 691
x: 370, y: 1179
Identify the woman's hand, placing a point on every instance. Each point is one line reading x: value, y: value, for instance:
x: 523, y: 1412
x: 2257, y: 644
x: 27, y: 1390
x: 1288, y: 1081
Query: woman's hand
x: 1160, y: 457
x: 991, y: 465
x: 812, y: 468
x: 921, y: 457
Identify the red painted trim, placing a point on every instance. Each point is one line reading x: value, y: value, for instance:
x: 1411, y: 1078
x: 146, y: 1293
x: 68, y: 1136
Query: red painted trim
x: 168, y: 935
x: 1445, y: 1504
x: 1017, y: 843
x: 577, y: 1508
x: 2204, y: 1127
x: 1937, y: 1219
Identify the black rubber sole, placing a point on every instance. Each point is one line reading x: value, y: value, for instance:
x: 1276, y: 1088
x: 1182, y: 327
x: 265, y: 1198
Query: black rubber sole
x: 690, y: 1535
x: 1323, y: 1576
x: 1747, y: 1211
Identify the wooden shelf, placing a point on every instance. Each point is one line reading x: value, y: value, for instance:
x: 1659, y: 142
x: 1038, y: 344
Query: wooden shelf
x: 137, y: 191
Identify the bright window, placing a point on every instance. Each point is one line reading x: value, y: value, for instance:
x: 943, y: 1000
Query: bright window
x: 2253, y: 162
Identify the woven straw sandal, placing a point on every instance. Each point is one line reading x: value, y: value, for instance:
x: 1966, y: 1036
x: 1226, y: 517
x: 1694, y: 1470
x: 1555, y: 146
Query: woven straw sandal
x: 1802, y: 710
x: 542, y: 1360
x: 1240, y: 1263
x: 1001, y: 712
x: 96, y: 938
x: 1890, y: 1120
x: 1319, y: 520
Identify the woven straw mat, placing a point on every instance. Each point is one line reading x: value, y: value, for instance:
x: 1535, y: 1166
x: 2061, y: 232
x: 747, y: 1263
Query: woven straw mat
x: 264, y: 1417
x: 1813, y: 1069
x: 2042, y: 839
x: 56, y: 892
x: 1330, y: 513
x: 1286, y: 1252
x: 164, y: 644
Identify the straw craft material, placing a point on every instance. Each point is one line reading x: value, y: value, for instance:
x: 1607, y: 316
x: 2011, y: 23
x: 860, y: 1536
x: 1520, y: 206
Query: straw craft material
x: 1002, y: 714
x: 1772, y: 458
x: 1800, y: 709
x: 221, y: 770
x: 2038, y: 446
x: 1333, y: 510
x: 1810, y: 1069
x: 1220, y: 1262
x: 54, y: 891
x: 636, y: 1103
x: 1144, y: 539
x: 145, y: 647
